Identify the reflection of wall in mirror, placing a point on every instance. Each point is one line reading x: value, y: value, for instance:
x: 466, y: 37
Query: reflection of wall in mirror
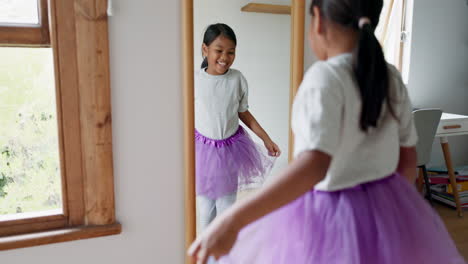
x: 262, y: 55
x: 309, y: 57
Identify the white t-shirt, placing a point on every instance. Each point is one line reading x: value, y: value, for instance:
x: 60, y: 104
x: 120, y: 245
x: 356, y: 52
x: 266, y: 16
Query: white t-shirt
x: 218, y: 100
x: 326, y: 114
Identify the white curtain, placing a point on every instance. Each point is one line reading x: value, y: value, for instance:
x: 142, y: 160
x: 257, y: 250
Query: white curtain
x: 389, y: 29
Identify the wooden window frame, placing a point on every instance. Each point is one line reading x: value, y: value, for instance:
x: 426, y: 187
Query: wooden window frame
x: 78, y: 32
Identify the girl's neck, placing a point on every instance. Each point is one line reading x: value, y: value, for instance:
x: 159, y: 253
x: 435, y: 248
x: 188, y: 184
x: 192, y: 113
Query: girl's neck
x: 213, y: 72
x: 341, y: 41
x: 335, y: 52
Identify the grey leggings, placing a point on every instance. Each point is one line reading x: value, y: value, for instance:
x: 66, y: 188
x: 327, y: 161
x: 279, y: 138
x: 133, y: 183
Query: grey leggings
x: 208, y: 209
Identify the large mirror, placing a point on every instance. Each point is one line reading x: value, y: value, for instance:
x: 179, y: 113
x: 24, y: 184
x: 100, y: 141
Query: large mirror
x: 241, y: 90
x: 239, y: 100
x: 269, y: 53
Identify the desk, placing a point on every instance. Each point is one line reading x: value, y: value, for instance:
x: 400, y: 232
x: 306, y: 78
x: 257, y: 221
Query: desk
x: 451, y: 125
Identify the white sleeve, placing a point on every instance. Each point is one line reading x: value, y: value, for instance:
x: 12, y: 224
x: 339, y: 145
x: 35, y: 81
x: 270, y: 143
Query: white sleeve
x: 407, y: 130
x: 244, y: 98
x: 317, y: 111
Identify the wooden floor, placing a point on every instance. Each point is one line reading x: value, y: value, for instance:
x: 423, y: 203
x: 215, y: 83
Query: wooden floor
x: 457, y: 226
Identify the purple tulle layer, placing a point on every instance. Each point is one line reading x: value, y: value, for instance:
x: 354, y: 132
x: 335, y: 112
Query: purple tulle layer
x: 224, y: 166
x: 381, y: 222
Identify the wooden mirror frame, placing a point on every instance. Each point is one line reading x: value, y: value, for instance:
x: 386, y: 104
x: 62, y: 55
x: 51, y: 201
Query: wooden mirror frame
x: 296, y: 74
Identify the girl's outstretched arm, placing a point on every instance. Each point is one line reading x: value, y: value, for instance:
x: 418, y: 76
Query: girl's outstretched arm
x: 309, y: 168
x: 249, y: 120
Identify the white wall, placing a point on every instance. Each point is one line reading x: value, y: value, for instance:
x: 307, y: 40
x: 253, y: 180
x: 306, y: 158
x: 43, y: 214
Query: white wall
x: 147, y: 133
x: 439, y: 65
x: 262, y: 55
x: 309, y: 57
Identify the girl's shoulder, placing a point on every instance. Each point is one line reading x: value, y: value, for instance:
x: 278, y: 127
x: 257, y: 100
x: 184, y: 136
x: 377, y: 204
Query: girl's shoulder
x: 394, y: 74
x: 198, y: 72
x: 319, y: 69
x: 235, y: 73
x: 237, y: 76
x: 321, y: 74
x: 398, y: 90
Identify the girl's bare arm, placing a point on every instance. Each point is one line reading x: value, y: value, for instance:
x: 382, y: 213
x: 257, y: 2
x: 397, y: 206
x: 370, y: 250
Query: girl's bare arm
x: 407, y: 163
x: 249, y: 120
x: 304, y: 172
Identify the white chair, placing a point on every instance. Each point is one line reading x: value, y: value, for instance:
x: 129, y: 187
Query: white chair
x: 426, y: 122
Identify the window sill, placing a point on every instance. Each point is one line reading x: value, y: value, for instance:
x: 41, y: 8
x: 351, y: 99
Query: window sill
x: 57, y: 236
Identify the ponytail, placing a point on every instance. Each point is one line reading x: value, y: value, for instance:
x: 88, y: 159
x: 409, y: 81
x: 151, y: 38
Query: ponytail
x: 204, y: 64
x: 372, y: 77
x: 369, y: 65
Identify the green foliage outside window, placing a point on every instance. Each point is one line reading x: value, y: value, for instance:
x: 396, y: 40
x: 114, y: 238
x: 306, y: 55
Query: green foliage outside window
x: 29, y: 158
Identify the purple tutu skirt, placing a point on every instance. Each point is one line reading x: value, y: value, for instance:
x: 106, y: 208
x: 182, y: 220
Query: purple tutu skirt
x: 224, y: 166
x: 381, y: 222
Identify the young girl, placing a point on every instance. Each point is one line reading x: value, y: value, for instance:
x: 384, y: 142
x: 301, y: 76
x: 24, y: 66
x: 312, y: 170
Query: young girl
x: 348, y: 197
x: 226, y: 157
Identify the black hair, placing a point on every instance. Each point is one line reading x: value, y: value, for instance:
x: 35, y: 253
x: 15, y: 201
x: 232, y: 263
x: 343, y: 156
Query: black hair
x: 369, y: 65
x: 212, y: 32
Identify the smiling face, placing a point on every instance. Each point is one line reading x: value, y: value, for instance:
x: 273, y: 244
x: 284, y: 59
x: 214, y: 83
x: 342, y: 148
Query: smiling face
x: 220, y: 55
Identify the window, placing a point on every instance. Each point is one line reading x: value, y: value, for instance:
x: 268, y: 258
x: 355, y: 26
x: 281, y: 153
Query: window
x: 394, y: 33
x: 58, y: 106
x: 19, y: 12
x: 24, y: 23
x: 29, y: 150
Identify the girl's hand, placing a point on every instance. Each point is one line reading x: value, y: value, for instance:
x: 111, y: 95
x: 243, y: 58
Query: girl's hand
x: 216, y: 241
x: 273, y: 149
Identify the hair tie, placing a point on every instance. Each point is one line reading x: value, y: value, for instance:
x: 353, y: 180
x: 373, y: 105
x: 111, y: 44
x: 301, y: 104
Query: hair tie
x: 363, y: 21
